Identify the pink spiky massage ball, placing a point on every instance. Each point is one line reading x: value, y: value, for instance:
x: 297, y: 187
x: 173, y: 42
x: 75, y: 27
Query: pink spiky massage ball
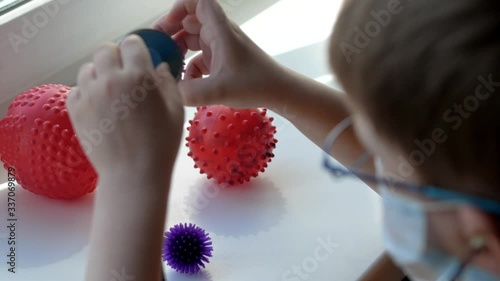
x: 231, y: 145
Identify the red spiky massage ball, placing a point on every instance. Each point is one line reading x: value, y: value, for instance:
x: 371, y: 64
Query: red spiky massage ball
x: 231, y: 145
x: 37, y: 139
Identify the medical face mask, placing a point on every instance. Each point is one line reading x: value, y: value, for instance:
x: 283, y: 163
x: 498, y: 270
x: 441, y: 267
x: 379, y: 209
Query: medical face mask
x: 407, y: 238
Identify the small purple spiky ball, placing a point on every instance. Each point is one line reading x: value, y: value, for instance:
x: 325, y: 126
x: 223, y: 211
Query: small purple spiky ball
x: 186, y: 248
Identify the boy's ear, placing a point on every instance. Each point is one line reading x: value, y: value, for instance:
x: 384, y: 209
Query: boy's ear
x: 479, y: 225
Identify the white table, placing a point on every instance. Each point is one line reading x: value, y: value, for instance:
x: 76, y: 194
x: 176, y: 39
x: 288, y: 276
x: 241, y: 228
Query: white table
x: 261, y: 231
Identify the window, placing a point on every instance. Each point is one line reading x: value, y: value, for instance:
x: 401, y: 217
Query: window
x: 7, y: 5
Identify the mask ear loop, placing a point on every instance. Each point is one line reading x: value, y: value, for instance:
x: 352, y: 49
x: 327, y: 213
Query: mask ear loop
x: 335, y: 133
x: 477, y: 245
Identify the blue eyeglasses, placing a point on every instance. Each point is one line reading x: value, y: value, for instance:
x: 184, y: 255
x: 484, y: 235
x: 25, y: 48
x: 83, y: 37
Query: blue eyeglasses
x: 428, y: 191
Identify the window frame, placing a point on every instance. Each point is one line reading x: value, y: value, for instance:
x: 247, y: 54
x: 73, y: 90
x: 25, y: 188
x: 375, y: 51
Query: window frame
x: 9, y: 7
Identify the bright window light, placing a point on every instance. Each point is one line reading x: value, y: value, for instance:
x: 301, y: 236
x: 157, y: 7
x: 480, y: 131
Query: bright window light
x: 7, y: 5
x: 292, y: 24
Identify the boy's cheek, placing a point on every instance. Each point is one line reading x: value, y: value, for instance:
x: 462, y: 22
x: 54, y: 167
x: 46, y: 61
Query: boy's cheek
x: 445, y: 232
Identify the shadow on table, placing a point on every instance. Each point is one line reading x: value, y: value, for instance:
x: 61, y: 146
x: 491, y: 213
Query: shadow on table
x: 236, y: 210
x: 47, y: 230
x: 200, y: 276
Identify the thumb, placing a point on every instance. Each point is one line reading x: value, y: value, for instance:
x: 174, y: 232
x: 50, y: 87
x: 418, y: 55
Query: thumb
x: 74, y: 101
x: 202, y: 91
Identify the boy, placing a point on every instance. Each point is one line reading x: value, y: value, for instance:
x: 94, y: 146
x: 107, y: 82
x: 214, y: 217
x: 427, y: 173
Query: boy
x: 403, y: 76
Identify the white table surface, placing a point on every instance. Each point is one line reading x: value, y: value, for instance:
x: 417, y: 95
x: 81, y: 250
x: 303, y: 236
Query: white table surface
x: 260, y: 231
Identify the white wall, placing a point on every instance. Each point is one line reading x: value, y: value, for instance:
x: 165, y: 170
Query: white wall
x: 45, y: 41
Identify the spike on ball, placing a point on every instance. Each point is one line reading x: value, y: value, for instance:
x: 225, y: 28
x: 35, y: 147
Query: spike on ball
x: 226, y: 136
x: 186, y: 248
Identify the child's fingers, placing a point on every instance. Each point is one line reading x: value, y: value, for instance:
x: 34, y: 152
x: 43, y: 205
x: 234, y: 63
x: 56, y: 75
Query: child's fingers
x: 168, y: 87
x: 163, y: 74
x: 188, y: 41
x: 210, y: 12
x: 135, y: 54
x: 191, y: 24
x: 171, y: 23
x: 107, y: 58
x: 72, y: 99
x: 198, y: 92
x: 86, y: 74
x: 196, y: 68
x: 207, y: 52
x: 76, y: 104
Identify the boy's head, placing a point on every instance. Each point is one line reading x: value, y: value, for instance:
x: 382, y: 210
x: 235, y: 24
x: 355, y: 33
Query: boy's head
x: 423, y: 82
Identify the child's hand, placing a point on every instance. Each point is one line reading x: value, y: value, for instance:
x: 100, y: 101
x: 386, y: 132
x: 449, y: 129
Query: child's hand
x: 127, y: 114
x: 241, y: 74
